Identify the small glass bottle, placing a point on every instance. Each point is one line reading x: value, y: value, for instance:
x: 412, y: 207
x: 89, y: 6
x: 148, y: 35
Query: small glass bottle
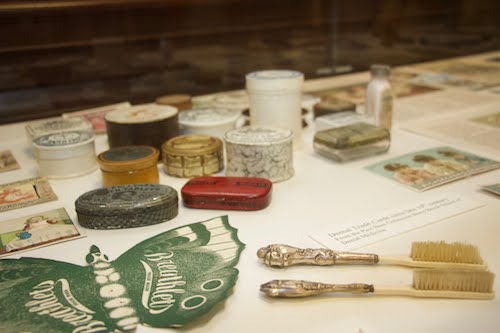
x: 379, y: 98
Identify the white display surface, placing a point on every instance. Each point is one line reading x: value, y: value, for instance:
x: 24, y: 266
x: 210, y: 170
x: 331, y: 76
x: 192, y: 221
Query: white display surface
x: 321, y: 194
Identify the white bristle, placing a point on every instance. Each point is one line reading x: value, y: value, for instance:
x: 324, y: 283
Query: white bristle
x: 445, y: 252
x: 456, y: 280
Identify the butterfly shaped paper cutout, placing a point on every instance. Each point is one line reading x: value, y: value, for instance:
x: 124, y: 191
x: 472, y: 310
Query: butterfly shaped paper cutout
x: 164, y: 281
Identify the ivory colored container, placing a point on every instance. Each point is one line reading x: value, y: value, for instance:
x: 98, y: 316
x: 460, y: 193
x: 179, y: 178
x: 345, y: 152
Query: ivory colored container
x: 212, y: 122
x: 39, y: 128
x: 129, y: 165
x: 275, y: 100
x: 265, y: 152
x: 193, y: 155
x: 65, y: 154
x: 146, y: 124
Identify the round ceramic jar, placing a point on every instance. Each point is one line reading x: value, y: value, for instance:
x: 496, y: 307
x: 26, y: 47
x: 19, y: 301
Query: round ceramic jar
x: 180, y: 101
x: 213, y: 122
x: 265, y: 152
x: 275, y: 100
x: 65, y: 154
x: 129, y: 165
x: 127, y: 206
x: 56, y: 125
x: 147, y: 124
x: 193, y: 155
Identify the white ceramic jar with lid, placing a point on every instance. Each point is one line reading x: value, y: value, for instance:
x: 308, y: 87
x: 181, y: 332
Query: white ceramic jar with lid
x: 275, y: 100
x: 208, y: 121
x: 54, y: 125
x: 65, y: 154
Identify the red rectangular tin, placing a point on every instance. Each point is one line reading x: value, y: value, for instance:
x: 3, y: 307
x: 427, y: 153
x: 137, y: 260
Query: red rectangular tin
x: 227, y: 193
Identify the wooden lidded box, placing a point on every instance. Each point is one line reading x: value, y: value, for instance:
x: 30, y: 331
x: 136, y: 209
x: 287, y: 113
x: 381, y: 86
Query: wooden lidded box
x: 193, y: 155
x: 227, y: 193
x: 65, y: 154
x: 129, y: 165
x: 145, y: 124
x: 352, y: 141
x: 127, y: 206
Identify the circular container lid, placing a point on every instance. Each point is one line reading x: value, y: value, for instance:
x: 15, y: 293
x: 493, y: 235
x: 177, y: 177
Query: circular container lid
x: 63, y: 140
x: 52, y: 125
x: 237, y: 100
x: 144, y: 113
x: 261, y: 136
x: 124, y: 198
x: 275, y: 80
x: 208, y: 117
x: 192, y: 145
x: 174, y: 99
x: 128, y: 158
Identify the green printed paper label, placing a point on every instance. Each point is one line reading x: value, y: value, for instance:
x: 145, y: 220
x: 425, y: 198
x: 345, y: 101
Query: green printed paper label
x: 167, y: 280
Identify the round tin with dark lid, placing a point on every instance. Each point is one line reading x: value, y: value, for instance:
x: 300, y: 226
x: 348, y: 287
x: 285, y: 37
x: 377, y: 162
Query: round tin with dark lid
x: 265, y: 152
x: 193, y: 155
x: 180, y: 101
x: 129, y: 165
x: 65, y: 154
x: 227, y: 193
x: 147, y: 124
x: 126, y: 206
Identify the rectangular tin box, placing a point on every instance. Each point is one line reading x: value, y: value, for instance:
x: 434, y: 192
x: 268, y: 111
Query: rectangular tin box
x: 351, y: 142
x: 227, y: 193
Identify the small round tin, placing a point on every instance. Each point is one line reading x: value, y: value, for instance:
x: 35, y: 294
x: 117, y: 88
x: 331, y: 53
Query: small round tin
x: 213, y: 122
x: 265, y: 152
x: 65, y: 154
x: 180, y: 101
x: 127, y: 206
x: 146, y: 124
x: 193, y: 155
x: 129, y: 165
x: 39, y: 128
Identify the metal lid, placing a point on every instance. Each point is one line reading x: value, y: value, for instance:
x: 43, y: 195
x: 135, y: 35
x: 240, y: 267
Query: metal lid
x: 275, y: 80
x: 144, y: 113
x: 351, y: 136
x: 262, y: 136
x: 128, y: 158
x: 192, y: 145
x: 208, y: 117
x: 52, y: 125
x: 123, y: 198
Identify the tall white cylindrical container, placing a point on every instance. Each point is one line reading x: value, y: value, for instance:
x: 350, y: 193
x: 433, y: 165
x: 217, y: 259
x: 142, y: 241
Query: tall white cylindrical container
x: 275, y: 100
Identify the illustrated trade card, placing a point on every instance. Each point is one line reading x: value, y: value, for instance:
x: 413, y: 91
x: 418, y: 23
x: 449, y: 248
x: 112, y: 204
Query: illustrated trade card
x: 7, y: 161
x: 490, y: 120
x: 37, y: 230
x: 96, y: 115
x: 25, y: 193
x: 429, y: 168
x: 494, y: 188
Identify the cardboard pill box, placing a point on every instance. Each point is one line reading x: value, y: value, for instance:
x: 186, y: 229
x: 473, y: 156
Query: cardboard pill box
x: 227, y: 193
x: 126, y: 206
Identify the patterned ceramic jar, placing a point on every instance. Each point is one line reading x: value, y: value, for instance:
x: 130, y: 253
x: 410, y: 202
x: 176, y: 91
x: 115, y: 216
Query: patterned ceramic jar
x: 65, y: 154
x: 265, y: 152
x: 193, y: 155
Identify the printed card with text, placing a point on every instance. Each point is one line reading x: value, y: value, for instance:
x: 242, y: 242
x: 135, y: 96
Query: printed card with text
x: 25, y: 193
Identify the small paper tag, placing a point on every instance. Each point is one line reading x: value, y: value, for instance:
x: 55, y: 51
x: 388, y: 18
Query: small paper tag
x: 393, y: 222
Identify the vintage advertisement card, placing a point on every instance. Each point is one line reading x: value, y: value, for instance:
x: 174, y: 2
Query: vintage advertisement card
x: 429, y: 168
x: 167, y: 280
x: 37, y: 230
x: 96, y: 115
x: 494, y: 188
x: 7, y: 161
x: 25, y: 193
x: 355, y: 93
